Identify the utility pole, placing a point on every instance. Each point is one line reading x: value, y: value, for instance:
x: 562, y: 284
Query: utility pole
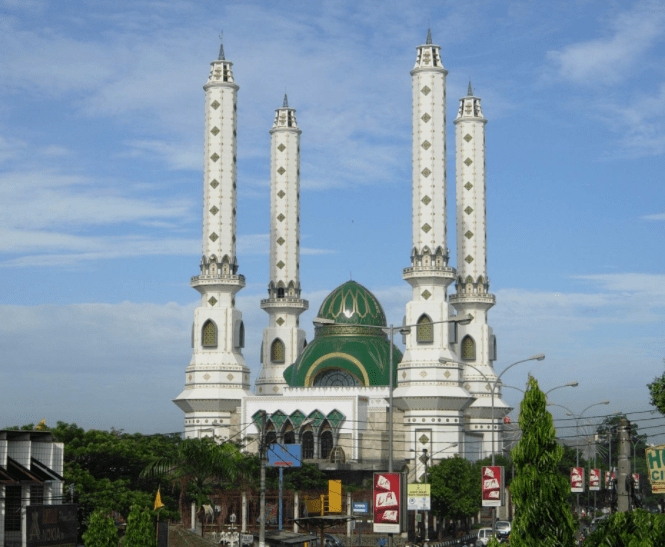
x: 623, y: 472
x: 262, y: 458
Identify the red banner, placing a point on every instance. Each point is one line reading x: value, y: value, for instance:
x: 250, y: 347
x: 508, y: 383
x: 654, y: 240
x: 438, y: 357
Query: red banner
x: 636, y: 479
x: 492, y: 484
x: 594, y: 479
x: 607, y: 478
x: 577, y: 479
x: 387, y: 502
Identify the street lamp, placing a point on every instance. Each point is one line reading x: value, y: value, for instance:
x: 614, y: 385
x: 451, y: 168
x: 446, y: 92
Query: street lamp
x: 538, y: 357
x: 404, y: 329
x: 569, y: 384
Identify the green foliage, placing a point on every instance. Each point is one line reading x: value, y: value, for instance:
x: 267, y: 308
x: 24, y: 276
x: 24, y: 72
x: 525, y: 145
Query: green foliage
x: 657, y: 392
x: 455, y: 488
x: 101, y: 531
x: 635, y: 529
x: 140, y: 529
x: 543, y: 517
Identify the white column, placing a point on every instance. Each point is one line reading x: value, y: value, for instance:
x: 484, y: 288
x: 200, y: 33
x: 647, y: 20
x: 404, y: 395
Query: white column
x: 217, y: 378
x: 283, y: 340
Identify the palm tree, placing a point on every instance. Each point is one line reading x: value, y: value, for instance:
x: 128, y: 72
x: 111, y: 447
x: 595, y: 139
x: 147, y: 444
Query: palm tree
x: 198, y: 465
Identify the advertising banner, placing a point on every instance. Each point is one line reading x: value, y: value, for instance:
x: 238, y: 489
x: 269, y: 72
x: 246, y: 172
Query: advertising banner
x: 284, y: 455
x: 387, y: 502
x: 51, y: 525
x: 636, y: 479
x: 656, y: 466
x: 607, y: 478
x: 492, y: 484
x: 418, y: 497
x: 577, y: 479
x: 594, y: 479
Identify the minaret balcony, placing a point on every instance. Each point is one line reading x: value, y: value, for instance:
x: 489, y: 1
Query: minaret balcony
x: 287, y: 303
x: 209, y: 280
x: 445, y: 273
x: 485, y: 300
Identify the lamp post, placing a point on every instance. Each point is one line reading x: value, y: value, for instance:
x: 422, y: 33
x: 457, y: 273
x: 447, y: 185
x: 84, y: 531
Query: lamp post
x: 538, y: 357
x: 578, y: 417
x: 390, y: 330
x: 569, y: 384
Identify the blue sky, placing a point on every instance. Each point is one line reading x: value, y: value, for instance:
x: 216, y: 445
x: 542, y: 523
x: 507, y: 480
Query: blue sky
x: 101, y: 135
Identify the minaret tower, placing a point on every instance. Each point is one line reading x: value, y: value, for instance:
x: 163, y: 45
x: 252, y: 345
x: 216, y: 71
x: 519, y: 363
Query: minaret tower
x: 217, y: 378
x: 429, y: 376
x: 477, y: 345
x: 283, y: 340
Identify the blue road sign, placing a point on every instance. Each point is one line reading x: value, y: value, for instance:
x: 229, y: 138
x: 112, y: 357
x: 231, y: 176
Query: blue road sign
x: 284, y: 455
x: 360, y: 507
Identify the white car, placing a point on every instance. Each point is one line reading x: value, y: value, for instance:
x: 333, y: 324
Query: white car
x: 503, y: 526
x: 484, y: 535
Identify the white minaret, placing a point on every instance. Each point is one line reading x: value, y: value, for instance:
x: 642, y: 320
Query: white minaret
x: 217, y: 378
x: 429, y: 377
x: 476, y: 344
x: 283, y: 340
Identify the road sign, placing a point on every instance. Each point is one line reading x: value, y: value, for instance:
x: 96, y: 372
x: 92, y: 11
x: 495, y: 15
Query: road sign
x: 284, y: 455
x: 656, y: 465
x: 418, y: 497
x: 360, y: 507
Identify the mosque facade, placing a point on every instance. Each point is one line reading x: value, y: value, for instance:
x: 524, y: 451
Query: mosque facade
x: 332, y: 395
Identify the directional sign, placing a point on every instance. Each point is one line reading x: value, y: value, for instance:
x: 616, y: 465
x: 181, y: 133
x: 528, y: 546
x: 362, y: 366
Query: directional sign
x: 360, y: 507
x: 418, y: 497
x: 284, y: 455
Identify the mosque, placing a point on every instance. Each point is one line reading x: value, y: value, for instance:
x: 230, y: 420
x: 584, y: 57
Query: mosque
x: 333, y: 395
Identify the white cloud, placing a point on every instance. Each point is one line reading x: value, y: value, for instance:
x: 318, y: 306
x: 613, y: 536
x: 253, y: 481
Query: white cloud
x: 608, y: 60
x: 658, y: 216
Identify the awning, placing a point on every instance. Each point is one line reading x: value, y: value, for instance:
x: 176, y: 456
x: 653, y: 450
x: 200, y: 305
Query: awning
x: 44, y: 472
x: 21, y: 473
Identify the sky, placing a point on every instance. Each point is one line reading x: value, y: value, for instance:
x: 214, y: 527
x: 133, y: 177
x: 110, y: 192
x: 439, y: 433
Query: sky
x: 101, y: 157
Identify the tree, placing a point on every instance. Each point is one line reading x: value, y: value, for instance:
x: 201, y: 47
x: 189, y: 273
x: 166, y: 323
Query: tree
x: 196, y: 466
x: 101, y: 531
x: 543, y: 517
x: 657, y: 392
x: 140, y: 529
x: 634, y: 529
x: 455, y: 489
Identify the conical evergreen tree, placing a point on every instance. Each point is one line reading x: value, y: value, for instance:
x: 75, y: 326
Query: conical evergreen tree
x: 140, y: 529
x: 101, y: 531
x: 543, y: 517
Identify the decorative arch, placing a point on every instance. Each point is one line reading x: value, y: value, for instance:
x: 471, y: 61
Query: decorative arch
x: 424, y: 330
x: 469, y: 284
x: 468, y: 348
x: 307, y: 445
x: 337, y: 455
x: 209, y: 334
x: 327, y: 443
x: 277, y: 351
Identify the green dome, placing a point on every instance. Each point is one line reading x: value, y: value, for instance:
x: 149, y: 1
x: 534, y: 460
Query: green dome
x: 353, y: 351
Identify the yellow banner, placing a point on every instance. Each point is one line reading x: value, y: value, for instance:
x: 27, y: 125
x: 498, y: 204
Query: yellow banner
x: 656, y: 465
x: 417, y: 490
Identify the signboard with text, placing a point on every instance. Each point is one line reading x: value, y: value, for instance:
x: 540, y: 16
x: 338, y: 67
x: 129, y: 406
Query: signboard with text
x: 386, y: 498
x: 284, y: 455
x: 51, y: 525
x: 594, y: 479
x: 636, y: 479
x: 607, y: 479
x: 492, y: 485
x: 577, y: 479
x: 418, y: 497
x: 656, y: 466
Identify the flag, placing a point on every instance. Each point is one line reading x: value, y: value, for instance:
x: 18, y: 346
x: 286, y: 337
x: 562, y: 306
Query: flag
x: 158, y: 500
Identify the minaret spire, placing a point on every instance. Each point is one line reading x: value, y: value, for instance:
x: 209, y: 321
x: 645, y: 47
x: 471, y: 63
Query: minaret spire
x: 283, y: 340
x: 429, y: 37
x: 469, y: 91
x: 221, y: 49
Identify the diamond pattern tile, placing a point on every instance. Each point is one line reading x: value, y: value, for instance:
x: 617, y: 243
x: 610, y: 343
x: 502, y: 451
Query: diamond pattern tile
x: 426, y: 91
x: 214, y: 210
x: 280, y: 321
x: 229, y: 376
x: 214, y: 157
x: 468, y: 210
x: 281, y: 241
x: 281, y: 148
x: 426, y: 145
x: 469, y: 234
x: 469, y: 259
x: 468, y: 161
x: 467, y: 137
x: 426, y: 294
x: 426, y: 200
x: 281, y: 170
x: 424, y: 439
x: 468, y: 186
x: 215, y: 105
x: 214, y: 236
x: 426, y: 172
x: 280, y: 217
x: 214, y: 130
x: 426, y: 117
x: 206, y: 376
x: 423, y: 373
x: 447, y: 374
x: 212, y: 301
x: 214, y: 183
x: 426, y: 228
x: 281, y: 193
x: 280, y: 264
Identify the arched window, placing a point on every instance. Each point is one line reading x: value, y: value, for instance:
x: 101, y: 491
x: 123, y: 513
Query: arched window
x: 337, y: 455
x: 277, y: 351
x: 271, y: 438
x: 336, y: 377
x: 209, y: 335
x: 326, y: 444
x: 424, y: 331
x: 468, y: 348
x: 280, y: 292
x: 307, y: 445
x: 289, y: 437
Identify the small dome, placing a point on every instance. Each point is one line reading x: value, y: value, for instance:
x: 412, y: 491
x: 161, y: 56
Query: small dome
x: 353, y: 304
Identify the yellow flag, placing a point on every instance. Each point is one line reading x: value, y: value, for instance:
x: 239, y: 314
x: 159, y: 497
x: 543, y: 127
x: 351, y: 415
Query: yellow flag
x: 158, y: 500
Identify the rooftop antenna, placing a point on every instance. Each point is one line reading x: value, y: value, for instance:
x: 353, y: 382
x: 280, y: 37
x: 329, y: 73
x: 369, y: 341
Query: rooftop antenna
x: 221, y: 48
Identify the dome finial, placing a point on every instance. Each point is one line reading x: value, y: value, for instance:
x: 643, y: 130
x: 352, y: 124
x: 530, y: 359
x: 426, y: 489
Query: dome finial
x: 429, y: 36
x: 221, y: 48
x: 470, y: 91
x: 286, y: 101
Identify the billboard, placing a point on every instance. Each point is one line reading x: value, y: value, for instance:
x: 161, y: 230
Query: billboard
x: 387, y: 502
x: 492, y: 485
x: 607, y: 479
x: 577, y: 479
x: 418, y: 497
x: 656, y: 466
x: 284, y: 455
x: 51, y: 525
x: 594, y: 479
x: 636, y: 479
